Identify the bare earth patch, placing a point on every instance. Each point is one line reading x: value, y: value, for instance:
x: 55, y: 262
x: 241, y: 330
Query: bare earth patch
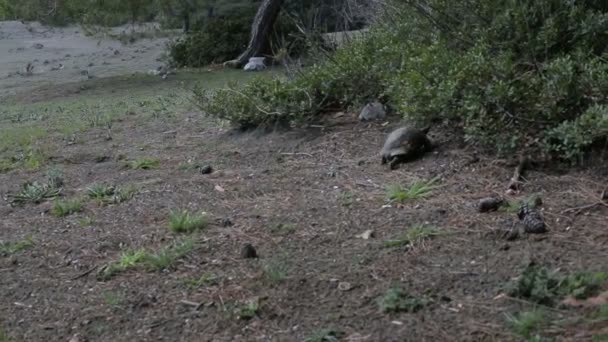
x: 301, y: 199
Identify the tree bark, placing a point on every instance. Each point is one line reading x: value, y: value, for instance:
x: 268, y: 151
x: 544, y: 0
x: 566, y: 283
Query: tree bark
x: 260, y: 30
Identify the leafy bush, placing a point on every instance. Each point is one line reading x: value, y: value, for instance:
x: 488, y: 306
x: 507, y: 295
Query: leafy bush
x: 542, y: 286
x: 349, y: 77
x: 219, y: 40
x: 512, y: 75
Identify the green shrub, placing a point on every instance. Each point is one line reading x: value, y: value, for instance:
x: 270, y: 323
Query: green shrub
x: 350, y: 77
x: 527, y: 76
x: 219, y: 40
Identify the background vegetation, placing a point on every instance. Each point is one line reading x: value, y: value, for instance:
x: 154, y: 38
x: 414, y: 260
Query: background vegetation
x: 512, y: 75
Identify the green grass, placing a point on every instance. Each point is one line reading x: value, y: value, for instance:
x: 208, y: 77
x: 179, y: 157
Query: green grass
x: 149, y: 261
x: 282, y: 228
x: 86, y: 221
x: 10, y: 248
x: 601, y: 313
x: 249, y: 310
x: 204, y: 280
x: 540, y: 285
x: 167, y: 256
x: 113, y: 298
x: 144, y: 164
x: 106, y: 194
x: 185, y: 222
x: 4, y: 336
x: 513, y: 206
x: 527, y: 323
x: 128, y: 260
x: 188, y: 166
x: 35, y: 193
x: 30, y: 130
x: 100, y: 191
x: 397, y: 300
x: 416, y: 190
x: 412, y: 237
x: 346, y: 199
x: 275, y: 271
x: 600, y: 338
x: 62, y: 208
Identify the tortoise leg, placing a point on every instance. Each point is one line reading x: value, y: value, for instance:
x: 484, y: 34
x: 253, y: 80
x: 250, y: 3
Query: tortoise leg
x: 395, y: 163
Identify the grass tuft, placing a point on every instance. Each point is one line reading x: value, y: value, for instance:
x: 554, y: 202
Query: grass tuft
x: 144, y: 164
x: 539, y: 285
x: 168, y: 255
x: 249, y: 310
x: 413, y: 236
x: 185, y: 222
x: 526, y: 323
x: 106, y: 194
x: 10, y: 248
x: 35, y: 193
x: 275, y: 271
x: 151, y: 262
x: 416, y: 190
x: 396, y: 300
x: 66, y: 207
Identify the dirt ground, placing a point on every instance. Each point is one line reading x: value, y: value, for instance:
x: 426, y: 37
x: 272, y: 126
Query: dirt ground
x: 63, y: 55
x: 302, y: 199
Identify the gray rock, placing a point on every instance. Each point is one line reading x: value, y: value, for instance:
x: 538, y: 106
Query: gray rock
x: 255, y: 64
x: 372, y: 111
x: 38, y: 46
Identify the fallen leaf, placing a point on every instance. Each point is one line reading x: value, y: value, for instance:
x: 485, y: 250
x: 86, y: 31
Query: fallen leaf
x: 219, y: 189
x: 366, y: 235
x: 599, y: 300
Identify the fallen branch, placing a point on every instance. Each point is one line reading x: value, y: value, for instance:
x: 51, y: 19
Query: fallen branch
x: 297, y: 154
x: 85, y: 273
x: 515, y: 182
x: 603, y: 201
x: 196, y: 305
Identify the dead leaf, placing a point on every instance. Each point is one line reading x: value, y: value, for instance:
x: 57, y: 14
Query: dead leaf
x: 366, y: 235
x: 599, y: 300
x: 219, y: 189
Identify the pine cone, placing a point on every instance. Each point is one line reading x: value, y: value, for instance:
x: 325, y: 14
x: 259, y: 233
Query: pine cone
x: 532, y: 219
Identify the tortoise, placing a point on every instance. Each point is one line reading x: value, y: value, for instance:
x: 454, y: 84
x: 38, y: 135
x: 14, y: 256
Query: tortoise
x: 405, y: 144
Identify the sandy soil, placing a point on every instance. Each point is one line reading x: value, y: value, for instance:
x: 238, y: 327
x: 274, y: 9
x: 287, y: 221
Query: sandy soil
x: 62, y: 55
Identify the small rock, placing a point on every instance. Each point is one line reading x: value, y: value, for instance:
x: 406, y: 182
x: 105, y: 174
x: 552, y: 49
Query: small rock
x: 219, y: 189
x: 366, y: 235
x: 116, y: 52
x: 205, y: 170
x: 226, y: 222
x: 38, y: 46
x: 489, y: 204
x: 372, y: 111
x: 344, y: 286
x: 255, y: 64
x: 91, y: 64
x: 248, y: 252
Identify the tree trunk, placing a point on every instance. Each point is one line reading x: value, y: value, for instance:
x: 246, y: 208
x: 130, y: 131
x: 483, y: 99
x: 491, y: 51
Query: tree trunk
x: 186, y: 17
x: 260, y: 30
